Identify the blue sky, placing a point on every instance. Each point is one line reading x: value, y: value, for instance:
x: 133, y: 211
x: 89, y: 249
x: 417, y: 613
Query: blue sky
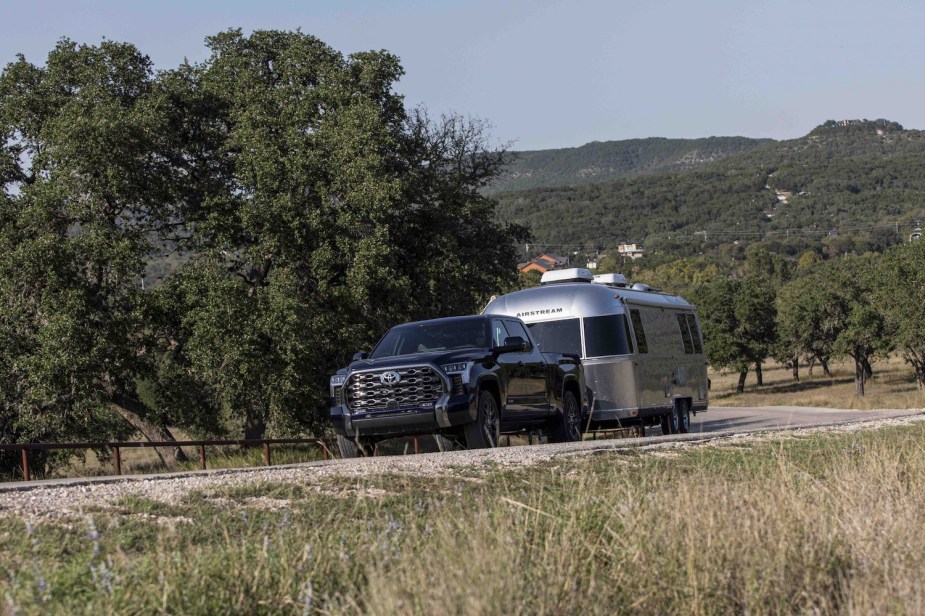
x: 560, y: 73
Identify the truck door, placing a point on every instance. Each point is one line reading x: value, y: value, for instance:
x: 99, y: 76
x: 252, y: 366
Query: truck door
x: 514, y: 372
x: 534, y: 372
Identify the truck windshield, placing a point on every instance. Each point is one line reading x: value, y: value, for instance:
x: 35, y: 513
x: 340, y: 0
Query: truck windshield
x: 425, y: 337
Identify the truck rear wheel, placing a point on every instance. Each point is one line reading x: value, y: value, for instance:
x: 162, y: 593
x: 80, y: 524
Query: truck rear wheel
x: 486, y: 429
x: 566, y: 426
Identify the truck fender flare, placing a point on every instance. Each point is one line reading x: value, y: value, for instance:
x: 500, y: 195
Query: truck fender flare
x: 491, y: 383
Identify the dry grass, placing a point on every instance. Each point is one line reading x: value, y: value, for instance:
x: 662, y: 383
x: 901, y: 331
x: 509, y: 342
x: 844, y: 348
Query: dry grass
x: 892, y: 386
x: 828, y: 523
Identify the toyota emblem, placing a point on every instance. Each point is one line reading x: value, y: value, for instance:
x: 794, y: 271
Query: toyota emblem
x: 390, y: 378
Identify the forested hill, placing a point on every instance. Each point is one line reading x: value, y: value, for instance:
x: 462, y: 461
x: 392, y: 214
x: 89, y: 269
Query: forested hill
x: 862, y: 183
x: 609, y: 160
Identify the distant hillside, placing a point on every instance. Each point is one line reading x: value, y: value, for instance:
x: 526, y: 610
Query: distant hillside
x: 609, y: 160
x: 837, y: 180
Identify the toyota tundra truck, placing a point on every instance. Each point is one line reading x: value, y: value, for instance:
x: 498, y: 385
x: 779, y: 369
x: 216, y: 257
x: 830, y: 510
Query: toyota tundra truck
x: 466, y: 380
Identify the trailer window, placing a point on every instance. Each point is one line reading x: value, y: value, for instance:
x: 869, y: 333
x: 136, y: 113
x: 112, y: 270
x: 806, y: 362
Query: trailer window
x: 695, y: 333
x: 557, y: 336
x: 685, y: 334
x: 641, y: 343
x: 606, y: 335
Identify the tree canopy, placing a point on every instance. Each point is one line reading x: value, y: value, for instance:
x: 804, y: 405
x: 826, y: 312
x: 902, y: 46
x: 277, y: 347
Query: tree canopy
x: 309, y: 207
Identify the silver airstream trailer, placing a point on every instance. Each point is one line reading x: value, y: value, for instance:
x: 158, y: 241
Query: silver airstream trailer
x: 641, y: 349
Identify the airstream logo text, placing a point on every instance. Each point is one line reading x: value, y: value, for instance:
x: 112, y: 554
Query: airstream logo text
x: 535, y: 313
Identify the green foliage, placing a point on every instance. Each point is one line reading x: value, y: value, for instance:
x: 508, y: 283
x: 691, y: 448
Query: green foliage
x: 340, y: 214
x: 835, y: 308
x: 857, y: 180
x: 602, y: 161
x: 901, y: 295
x: 90, y: 174
x: 738, y: 320
x: 289, y: 205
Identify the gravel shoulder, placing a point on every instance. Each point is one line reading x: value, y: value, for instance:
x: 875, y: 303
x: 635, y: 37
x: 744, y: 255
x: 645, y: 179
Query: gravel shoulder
x: 62, y: 499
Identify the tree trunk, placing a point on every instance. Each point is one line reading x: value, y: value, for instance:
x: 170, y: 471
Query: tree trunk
x: 740, y: 388
x: 860, y: 375
x: 812, y: 364
x: 868, y: 370
x: 825, y: 367
x: 758, y: 373
x: 795, y: 365
x: 917, y: 361
x: 255, y: 426
x: 130, y: 410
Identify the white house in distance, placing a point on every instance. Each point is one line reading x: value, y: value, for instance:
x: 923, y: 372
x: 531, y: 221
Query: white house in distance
x: 633, y: 251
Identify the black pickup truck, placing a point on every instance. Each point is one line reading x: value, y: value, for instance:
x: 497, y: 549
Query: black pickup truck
x: 465, y: 380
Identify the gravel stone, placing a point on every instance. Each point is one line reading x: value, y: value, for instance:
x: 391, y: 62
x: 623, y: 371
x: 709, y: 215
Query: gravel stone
x: 58, y: 500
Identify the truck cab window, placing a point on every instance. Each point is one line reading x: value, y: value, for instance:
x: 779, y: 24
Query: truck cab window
x: 498, y: 333
x: 516, y: 329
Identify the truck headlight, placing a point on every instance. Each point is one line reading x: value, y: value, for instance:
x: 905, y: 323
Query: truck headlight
x: 337, y: 383
x: 461, y: 369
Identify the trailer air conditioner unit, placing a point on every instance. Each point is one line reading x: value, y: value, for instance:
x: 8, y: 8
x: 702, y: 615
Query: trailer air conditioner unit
x: 575, y: 274
x: 613, y: 280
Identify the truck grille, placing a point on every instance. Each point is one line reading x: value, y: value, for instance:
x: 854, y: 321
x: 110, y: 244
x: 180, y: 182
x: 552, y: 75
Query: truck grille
x: 418, y: 386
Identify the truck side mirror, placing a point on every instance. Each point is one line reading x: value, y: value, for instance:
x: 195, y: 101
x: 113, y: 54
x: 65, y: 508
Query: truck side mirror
x: 361, y: 355
x: 512, y: 344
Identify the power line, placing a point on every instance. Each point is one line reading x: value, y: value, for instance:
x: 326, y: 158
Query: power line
x: 704, y: 235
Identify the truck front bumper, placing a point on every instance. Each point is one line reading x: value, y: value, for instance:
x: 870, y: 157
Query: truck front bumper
x: 448, y: 412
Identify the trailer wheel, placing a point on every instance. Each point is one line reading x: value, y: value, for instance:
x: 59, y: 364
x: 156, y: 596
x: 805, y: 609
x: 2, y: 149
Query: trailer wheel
x: 350, y: 449
x: 485, y: 431
x: 566, y: 426
x: 445, y: 443
x: 684, y: 417
x: 670, y: 421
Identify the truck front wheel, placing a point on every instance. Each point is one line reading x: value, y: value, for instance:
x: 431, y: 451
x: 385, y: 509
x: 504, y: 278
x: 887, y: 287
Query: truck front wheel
x: 486, y: 429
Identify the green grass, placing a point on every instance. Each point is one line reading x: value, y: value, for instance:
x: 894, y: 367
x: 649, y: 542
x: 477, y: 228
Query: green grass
x: 828, y: 523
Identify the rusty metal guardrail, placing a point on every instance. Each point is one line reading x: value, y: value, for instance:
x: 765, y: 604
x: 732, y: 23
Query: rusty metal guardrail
x: 117, y: 447
x: 326, y: 454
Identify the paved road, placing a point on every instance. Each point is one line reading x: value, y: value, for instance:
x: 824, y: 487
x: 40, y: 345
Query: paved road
x: 742, y: 419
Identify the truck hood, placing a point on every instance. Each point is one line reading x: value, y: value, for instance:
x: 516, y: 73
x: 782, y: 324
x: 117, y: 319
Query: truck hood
x: 440, y: 358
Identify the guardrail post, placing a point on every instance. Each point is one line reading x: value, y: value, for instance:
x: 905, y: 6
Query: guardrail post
x: 118, y: 458
x: 202, y: 457
x: 266, y: 453
x: 25, y: 464
x: 417, y: 449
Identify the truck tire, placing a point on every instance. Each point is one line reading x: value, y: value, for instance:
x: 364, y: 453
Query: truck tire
x: 349, y: 449
x: 684, y: 417
x: 445, y: 443
x: 670, y: 421
x: 566, y: 425
x: 486, y: 429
